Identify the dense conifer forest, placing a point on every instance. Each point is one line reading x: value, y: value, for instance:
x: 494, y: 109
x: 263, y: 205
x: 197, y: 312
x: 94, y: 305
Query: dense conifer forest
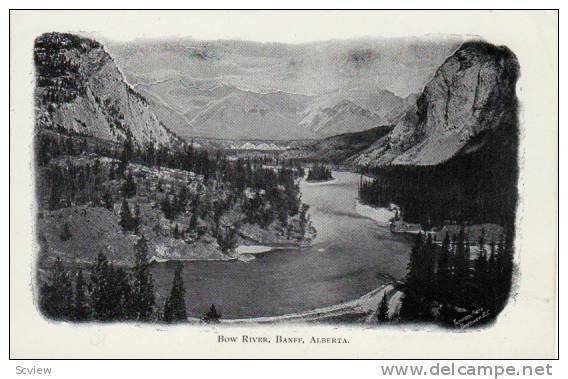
x: 319, y: 172
x: 449, y: 284
x: 77, y: 170
x: 475, y: 187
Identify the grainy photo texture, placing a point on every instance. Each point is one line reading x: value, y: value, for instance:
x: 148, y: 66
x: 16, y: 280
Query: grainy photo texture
x: 364, y: 182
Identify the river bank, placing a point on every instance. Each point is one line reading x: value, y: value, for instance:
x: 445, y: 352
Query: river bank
x: 382, y: 216
x: 363, y: 309
x: 337, y: 277
x: 320, y: 182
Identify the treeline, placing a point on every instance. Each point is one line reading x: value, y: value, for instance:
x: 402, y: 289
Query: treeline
x: 457, y: 192
x: 110, y: 293
x: 319, y: 172
x: 275, y: 193
x: 478, y: 185
x: 446, y: 282
x: 183, y: 157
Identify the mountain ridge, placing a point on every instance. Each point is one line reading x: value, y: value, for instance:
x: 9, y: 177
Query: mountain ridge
x: 470, y: 93
x: 79, y: 89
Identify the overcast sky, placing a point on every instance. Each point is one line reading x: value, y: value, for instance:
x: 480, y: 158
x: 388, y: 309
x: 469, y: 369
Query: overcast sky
x: 274, y: 26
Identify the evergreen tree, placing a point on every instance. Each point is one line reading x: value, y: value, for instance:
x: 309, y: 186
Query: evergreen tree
x: 120, y: 295
x: 129, y: 186
x: 143, y: 283
x: 108, y: 201
x: 137, y: 218
x: 461, y: 278
x: 412, y: 307
x: 504, y: 263
x: 428, y: 270
x: 80, y: 301
x: 111, y: 295
x: 127, y: 222
x: 383, y: 310
x: 193, y: 222
x: 174, y: 308
x: 304, y: 219
x: 212, y: 315
x: 319, y: 172
x: 125, y: 156
x: 100, y: 289
x: 168, y: 208
x: 56, y: 294
x: 444, y: 274
x: 227, y: 239
x: 481, y: 279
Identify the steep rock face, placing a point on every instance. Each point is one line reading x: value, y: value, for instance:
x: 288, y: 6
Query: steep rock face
x: 79, y: 89
x: 468, y: 96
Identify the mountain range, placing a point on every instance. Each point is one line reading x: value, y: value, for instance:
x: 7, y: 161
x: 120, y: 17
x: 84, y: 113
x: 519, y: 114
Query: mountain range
x: 463, y: 105
x: 206, y: 108
x: 243, y: 89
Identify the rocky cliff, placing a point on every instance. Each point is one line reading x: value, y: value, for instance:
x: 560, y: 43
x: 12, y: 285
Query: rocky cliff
x: 79, y: 89
x: 468, y: 96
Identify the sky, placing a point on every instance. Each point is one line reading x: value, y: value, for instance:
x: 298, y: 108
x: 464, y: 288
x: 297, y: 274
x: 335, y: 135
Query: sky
x: 261, y: 26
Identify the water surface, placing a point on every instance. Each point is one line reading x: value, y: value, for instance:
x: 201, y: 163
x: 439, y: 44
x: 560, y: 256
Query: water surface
x: 350, y: 256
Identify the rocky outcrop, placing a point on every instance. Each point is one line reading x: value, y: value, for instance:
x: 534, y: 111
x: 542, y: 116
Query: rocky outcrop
x: 469, y: 95
x: 80, y: 90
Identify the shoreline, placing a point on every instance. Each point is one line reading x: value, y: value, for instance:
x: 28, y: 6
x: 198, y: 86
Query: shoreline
x: 382, y: 216
x: 320, y: 182
x: 364, y: 308
x: 243, y: 253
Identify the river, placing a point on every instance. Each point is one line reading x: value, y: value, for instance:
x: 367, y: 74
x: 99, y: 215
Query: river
x: 350, y: 256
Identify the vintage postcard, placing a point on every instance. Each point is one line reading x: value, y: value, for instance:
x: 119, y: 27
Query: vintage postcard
x: 291, y: 184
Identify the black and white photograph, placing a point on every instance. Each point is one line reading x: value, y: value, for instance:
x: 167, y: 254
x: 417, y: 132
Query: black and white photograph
x: 369, y: 182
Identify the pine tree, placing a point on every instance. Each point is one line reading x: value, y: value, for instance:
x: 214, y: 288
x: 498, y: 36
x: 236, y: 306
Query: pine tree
x: 428, y: 267
x: 56, y: 294
x: 167, y: 208
x: 137, y: 218
x: 111, y: 295
x: 227, y: 239
x: 212, y: 315
x: 304, y: 219
x: 444, y: 275
x: 143, y: 283
x: 125, y: 156
x: 193, y: 222
x: 129, y: 186
x: 127, y: 222
x: 101, y: 289
x: 174, y: 308
x: 413, y: 307
x: 461, y: 278
x: 504, y: 263
x: 108, y: 201
x: 481, y: 281
x: 383, y: 310
x: 80, y: 301
x: 120, y: 295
